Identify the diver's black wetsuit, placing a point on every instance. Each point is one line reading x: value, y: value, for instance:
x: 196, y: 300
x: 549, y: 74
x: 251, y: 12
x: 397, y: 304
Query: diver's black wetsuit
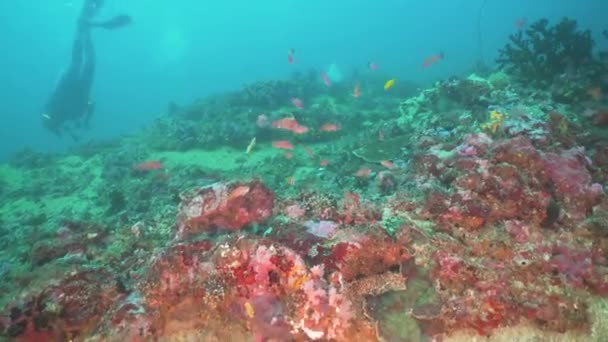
x: 70, y: 100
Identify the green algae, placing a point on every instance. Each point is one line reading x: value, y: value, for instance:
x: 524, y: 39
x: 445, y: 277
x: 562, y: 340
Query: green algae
x: 499, y: 80
x: 392, y: 310
x: 11, y: 178
x: 598, y: 310
x: 224, y: 159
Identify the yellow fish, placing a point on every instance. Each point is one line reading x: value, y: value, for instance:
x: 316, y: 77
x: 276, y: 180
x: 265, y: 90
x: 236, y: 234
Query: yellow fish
x: 389, y: 84
x: 249, y: 310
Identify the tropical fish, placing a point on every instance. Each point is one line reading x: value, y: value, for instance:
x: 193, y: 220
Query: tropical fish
x: 284, y: 144
x: 357, y: 90
x: 372, y: 66
x: 363, y: 172
x: 389, y: 84
x: 290, y: 124
x: 148, y: 165
x: 249, y: 310
x: 328, y: 127
x: 296, y: 102
x: 432, y: 60
x: 290, y: 55
x: 326, y: 79
x: 323, y: 162
x: 299, y: 129
x: 287, y: 123
x: 387, y: 164
x: 239, y: 191
x: 520, y: 23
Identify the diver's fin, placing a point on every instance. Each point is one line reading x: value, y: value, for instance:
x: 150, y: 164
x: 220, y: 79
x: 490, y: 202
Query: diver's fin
x: 114, y: 23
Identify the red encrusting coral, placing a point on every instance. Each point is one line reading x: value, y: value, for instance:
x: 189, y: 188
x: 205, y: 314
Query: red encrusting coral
x: 224, y: 206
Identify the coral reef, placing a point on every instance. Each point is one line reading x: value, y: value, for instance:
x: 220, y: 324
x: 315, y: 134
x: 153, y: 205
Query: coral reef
x: 472, y: 209
x: 542, y: 52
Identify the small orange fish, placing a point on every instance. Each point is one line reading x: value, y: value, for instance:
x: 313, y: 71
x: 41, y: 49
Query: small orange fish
x: 357, y: 91
x: 300, y: 129
x: 387, y: 164
x: 363, y: 172
x: 330, y: 128
x: 290, y: 124
x: 432, y: 60
x: 239, y: 191
x: 284, y: 144
x: 323, y: 162
x: 148, y: 166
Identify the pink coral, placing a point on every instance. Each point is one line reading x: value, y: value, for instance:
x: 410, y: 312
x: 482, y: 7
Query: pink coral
x: 474, y: 145
x: 518, y: 230
x: 324, y: 229
x: 294, y: 211
x: 572, y: 181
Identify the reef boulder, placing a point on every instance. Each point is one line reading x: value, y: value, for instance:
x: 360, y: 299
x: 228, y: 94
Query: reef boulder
x: 224, y: 206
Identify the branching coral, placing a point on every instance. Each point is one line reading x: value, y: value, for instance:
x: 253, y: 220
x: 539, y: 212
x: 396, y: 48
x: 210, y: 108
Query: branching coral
x: 542, y: 52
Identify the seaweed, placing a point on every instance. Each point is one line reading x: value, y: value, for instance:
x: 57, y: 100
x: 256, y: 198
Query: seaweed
x: 542, y: 52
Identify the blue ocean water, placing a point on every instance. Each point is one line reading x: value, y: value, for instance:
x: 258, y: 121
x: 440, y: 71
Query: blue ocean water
x: 183, y: 49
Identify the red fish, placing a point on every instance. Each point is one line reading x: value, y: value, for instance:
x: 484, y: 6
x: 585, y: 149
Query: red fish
x: 285, y: 123
x: 357, y: 91
x: 148, y: 166
x: 296, y: 102
x: 284, y: 144
x: 239, y: 191
x: 299, y: 129
x: 330, y: 127
x: 290, y: 124
x: 432, y: 60
x: 326, y: 79
x: 290, y: 56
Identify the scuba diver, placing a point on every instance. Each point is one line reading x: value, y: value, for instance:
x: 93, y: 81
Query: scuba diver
x: 70, y: 100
